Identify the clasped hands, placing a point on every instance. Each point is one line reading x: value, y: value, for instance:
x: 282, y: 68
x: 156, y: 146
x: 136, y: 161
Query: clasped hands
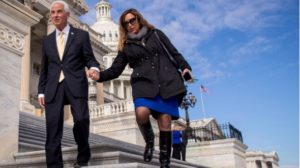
x: 93, y: 74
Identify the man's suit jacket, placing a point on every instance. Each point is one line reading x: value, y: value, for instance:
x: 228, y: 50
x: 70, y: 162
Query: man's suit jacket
x: 77, y: 55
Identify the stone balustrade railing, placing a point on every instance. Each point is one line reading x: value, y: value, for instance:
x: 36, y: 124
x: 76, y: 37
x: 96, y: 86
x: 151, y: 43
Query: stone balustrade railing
x: 111, y: 109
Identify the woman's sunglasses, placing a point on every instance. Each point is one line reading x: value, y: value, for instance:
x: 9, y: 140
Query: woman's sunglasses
x: 131, y: 21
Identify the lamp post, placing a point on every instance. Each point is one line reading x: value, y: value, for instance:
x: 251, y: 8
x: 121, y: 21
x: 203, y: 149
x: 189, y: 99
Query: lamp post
x: 188, y: 101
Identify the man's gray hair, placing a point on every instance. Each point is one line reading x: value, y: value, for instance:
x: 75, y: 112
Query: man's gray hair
x: 66, y: 6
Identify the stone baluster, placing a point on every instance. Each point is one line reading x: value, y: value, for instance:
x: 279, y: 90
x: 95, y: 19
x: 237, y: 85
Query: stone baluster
x: 122, y: 89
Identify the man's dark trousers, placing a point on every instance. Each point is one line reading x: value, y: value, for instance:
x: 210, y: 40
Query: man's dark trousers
x: 54, y: 126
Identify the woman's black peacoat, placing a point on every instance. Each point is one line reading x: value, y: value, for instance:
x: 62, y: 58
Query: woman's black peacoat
x: 153, y: 72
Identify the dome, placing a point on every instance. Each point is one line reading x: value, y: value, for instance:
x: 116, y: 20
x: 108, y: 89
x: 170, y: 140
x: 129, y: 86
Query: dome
x: 104, y: 25
x: 109, y: 31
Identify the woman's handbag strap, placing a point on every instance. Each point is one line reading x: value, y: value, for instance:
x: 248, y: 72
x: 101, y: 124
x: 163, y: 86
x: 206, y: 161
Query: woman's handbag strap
x: 166, y: 50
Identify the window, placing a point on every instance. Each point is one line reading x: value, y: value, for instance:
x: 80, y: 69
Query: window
x: 36, y: 69
x: 269, y: 165
x: 258, y: 164
x: 103, y: 35
x: 110, y: 36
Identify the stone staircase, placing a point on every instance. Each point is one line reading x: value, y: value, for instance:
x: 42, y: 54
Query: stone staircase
x: 106, y: 152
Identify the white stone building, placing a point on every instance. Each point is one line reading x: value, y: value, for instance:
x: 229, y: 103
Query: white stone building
x: 260, y: 159
x: 23, y: 23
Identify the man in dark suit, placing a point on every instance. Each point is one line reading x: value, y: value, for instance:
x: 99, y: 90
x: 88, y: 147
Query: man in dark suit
x: 65, y: 54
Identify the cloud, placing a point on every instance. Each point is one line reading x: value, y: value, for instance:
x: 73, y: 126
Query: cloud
x: 251, y: 15
x: 190, y: 23
x: 206, y: 69
x: 90, y: 16
x: 201, y: 18
x: 250, y: 50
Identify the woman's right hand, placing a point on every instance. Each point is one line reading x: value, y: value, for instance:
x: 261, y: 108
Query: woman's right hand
x: 187, y: 75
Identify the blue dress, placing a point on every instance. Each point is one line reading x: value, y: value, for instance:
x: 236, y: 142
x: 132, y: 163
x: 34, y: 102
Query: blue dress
x: 158, y: 105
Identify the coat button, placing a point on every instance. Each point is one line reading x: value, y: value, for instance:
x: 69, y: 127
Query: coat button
x: 153, y: 67
x: 137, y: 74
x: 156, y: 54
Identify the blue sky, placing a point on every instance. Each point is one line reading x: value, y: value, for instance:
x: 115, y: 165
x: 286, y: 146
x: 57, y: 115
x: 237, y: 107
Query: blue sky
x: 246, y: 54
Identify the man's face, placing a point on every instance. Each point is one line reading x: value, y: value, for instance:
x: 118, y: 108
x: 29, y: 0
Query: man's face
x: 59, y: 17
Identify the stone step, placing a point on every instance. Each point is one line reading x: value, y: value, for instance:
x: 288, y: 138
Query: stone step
x: 106, y: 152
x: 125, y: 165
x: 103, y: 155
x: 32, y: 134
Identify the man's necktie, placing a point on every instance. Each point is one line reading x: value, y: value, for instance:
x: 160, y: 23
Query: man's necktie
x: 61, y: 47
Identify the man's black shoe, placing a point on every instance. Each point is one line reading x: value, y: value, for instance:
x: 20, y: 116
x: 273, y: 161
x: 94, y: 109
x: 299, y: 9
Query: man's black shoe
x: 79, y: 165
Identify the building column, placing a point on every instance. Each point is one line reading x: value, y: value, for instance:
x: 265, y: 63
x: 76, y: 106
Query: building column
x: 264, y: 164
x: 99, y: 92
x: 25, y: 105
x: 126, y: 92
x: 129, y: 93
x: 122, y: 89
x: 251, y: 164
x: 111, y: 87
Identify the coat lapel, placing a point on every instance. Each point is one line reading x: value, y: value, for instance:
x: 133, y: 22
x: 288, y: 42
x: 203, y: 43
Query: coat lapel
x: 54, y: 45
x: 69, y: 40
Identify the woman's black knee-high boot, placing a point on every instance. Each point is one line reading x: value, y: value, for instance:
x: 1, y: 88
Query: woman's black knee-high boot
x: 148, y: 135
x: 165, y: 142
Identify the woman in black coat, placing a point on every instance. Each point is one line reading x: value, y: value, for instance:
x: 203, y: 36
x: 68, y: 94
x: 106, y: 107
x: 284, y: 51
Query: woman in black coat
x: 157, y: 85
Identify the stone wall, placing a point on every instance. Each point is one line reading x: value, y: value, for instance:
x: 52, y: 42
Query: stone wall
x: 15, y: 23
x: 225, y: 153
x: 9, y: 102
